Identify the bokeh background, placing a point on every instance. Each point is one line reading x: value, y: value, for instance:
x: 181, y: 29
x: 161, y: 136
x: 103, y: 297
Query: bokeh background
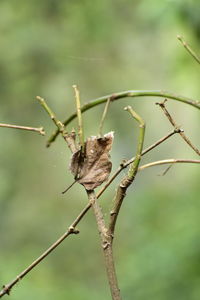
x: 103, y: 47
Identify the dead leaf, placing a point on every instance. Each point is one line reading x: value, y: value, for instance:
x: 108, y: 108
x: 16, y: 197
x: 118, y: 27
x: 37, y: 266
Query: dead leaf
x: 93, y: 167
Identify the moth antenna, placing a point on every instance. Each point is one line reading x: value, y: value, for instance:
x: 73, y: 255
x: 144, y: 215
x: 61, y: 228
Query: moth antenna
x: 69, y: 187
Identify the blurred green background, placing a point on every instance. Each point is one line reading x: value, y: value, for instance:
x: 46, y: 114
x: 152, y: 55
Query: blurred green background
x: 104, y: 47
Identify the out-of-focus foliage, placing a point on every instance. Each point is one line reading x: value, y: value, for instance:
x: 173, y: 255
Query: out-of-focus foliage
x: 104, y: 47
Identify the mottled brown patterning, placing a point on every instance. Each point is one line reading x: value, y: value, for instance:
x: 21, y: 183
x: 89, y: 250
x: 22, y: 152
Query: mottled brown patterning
x: 93, y: 167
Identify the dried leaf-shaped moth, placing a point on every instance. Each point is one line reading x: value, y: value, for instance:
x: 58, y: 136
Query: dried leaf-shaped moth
x: 93, y: 167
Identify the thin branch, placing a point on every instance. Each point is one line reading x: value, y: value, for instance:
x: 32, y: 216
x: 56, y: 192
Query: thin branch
x: 59, y: 125
x: 72, y: 228
x: 40, y: 130
x: 125, y: 164
x: 104, y: 116
x: 171, y: 120
x: 129, y: 178
x: 188, y: 48
x: 79, y: 116
x: 106, y: 241
x: 70, y: 138
x: 168, y: 161
x: 131, y: 93
x: 134, y: 166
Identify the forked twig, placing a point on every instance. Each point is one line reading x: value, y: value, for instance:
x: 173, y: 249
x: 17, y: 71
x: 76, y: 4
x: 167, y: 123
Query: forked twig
x: 70, y: 138
x: 171, y: 120
x: 72, y: 228
x: 107, y: 233
x: 125, y: 164
x: 132, y: 94
x: 40, y: 130
x: 188, y: 48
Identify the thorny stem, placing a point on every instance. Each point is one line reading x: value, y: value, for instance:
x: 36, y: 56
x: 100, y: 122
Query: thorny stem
x: 168, y: 161
x: 79, y: 116
x: 129, y: 178
x: 171, y: 120
x: 106, y: 241
x: 40, y: 130
x: 7, y: 288
x: 104, y: 116
x: 125, y: 94
x: 188, y: 48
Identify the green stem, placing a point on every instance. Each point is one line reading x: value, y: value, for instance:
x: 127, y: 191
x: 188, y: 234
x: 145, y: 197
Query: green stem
x: 79, y: 116
x: 125, y: 94
x: 188, y: 48
x: 134, y: 166
x: 129, y: 178
x: 70, y: 138
x: 58, y: 124
x: 104, y: 116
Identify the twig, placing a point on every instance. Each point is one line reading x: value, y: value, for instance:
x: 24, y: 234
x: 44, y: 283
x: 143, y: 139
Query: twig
x: 70, y: 138
x: 79, y: 116
x: 171, y: 120
x: 168, y: 161
x: 129, y: 178
x: 59, y: 125
x: 40, y: 130
x: 7, y: 288
x: 106, y: 241
x: 125, y: 164
x: 166, y: 170
x: 71, y: 230
x: 188, y: 48
x: 104, y: 116
x: 134, y: 166
x: 116, y: 96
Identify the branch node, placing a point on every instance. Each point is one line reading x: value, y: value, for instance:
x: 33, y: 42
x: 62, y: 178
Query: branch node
x: 73, y: 230
x: 105, y: 245
x: 123, y: 163
x: 112, y: 97
x: 42, y: 131
x: 6, y: 289
x: 178, y: 130
x: 161, y: 104
x: 112, y: 213
x: 181, y: 132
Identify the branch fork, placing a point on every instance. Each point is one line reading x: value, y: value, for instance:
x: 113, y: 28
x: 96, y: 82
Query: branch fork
x: 107, y: 231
